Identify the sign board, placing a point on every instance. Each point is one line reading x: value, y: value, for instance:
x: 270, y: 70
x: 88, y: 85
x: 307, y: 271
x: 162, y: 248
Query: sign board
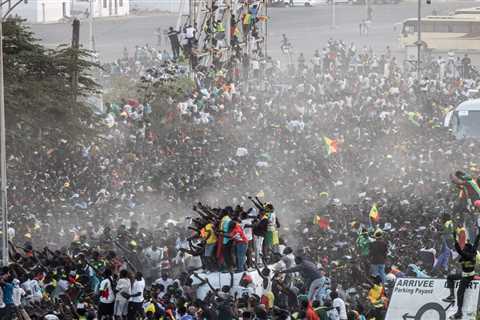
x: 422, y: 299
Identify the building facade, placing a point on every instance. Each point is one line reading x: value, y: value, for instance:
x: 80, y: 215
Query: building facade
x: 43, y: 11
x: 101, y: 8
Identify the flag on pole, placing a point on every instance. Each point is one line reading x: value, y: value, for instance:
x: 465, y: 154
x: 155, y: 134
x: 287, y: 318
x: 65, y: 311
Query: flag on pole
x: 330, y: 145
x: 374, y: 214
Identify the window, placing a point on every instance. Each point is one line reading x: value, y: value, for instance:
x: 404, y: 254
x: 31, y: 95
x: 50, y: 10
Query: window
x: 441, y: 26
x: 462, y: 27
x: 476, y: 27
x: 409, y: 27
x: 105, y: 4
x: 120, y: 3
x: 428, y: 26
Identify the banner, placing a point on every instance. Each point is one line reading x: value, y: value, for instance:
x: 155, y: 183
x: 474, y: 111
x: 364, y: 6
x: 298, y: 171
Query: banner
x: 422, y: 299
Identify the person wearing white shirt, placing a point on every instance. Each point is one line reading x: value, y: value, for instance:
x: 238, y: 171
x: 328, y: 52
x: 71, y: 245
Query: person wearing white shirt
x: 165, y: 281
x: 107, y: 297
x: 339, y: 305
x: 135, y: 304
x: 18, y: 293
x: 123, y: 294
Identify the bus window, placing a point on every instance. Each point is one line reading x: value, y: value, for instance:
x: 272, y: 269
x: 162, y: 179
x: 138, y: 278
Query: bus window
x: 409, y: 27
x: 428, y: 26
x: 442, y: 26
x: 476, y: 27
x: 462, y: 27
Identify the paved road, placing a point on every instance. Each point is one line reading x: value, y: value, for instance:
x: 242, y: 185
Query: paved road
x: 308, y: 28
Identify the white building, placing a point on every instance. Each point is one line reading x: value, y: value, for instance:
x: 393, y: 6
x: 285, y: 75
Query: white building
x: 43, y: 11
x: 101, y: 8
x: 161, y: 5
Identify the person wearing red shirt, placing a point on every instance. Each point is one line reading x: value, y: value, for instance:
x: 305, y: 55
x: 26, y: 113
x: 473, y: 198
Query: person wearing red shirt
x: 241, y: 244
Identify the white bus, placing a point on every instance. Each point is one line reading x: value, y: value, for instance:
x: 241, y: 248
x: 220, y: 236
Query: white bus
x: 464, y: 121
x: 443, y: 33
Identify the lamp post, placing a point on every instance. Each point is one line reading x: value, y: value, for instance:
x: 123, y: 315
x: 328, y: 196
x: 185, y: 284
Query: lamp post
x: 333, y: 15
x: 419, y: 38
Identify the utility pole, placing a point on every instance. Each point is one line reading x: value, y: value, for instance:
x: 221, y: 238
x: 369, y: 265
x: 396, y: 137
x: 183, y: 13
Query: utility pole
x: 265, y: 38
x: 190, y: 12
x: 3, y: 153
x: 228, y: 35
x: 419, y: 38
x: 91, y: 26
x: 75, y: 47
x: 333, y: 26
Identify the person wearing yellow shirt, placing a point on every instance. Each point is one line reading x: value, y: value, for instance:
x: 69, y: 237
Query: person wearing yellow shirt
x: 376, y: 296
x: 208, y: 234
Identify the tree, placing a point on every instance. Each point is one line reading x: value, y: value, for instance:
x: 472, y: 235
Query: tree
x: 38, y: 85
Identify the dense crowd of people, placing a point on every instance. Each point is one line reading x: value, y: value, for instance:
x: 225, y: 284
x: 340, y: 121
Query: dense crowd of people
x: 349, y: 139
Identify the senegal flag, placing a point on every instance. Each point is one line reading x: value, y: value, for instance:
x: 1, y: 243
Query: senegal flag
x: 330, y: 145
x: 374, y: 214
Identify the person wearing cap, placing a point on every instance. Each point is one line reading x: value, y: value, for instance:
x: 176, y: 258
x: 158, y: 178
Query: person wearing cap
x: 378, y: 255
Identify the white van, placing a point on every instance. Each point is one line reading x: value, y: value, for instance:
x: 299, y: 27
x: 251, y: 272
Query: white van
x: 464, y: 121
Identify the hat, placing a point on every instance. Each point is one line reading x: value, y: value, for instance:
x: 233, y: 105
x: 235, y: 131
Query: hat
x: 378, y: 233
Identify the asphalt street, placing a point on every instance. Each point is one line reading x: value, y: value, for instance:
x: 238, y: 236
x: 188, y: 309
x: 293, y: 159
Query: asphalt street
x: 307, y: 28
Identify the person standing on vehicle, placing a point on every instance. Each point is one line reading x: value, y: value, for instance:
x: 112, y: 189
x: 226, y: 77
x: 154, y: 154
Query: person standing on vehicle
x: 173, y: 37
x: 378, y: 255
x: 467, y: 261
